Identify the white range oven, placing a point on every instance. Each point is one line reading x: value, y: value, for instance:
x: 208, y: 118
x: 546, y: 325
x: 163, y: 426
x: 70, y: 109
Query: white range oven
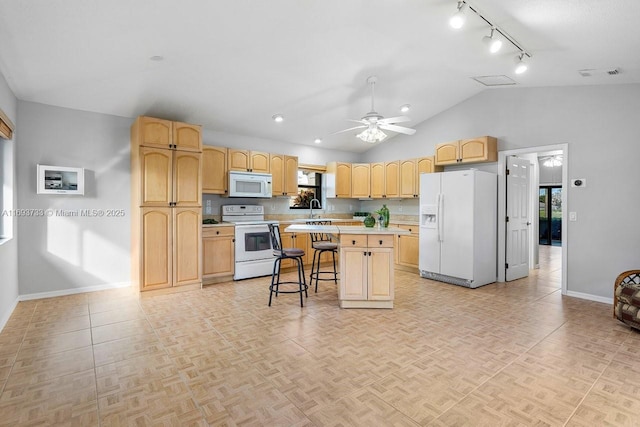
x: 254, y: 254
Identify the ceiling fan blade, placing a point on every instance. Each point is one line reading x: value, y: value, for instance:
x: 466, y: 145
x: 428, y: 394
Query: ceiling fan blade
x: 347, y: 130
x: 398, y: 119
x: 399, y: 129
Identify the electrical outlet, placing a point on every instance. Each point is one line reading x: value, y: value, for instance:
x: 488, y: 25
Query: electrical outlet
x: 207, y: 208
x: 273, y: 206
x: 350, y: 208
x: 399, y: 208
x: 573, y: 216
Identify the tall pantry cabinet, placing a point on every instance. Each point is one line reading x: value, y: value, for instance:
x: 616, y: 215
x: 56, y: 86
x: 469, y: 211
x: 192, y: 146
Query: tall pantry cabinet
x: 166, y: 199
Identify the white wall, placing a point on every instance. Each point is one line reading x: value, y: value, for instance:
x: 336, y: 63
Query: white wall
x: 69, y: 253
x: 8, y: 249
x: 62, y: 254
x: 601, y: 126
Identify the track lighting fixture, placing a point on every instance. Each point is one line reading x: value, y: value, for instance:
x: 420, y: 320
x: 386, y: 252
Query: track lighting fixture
x: 493, y: 43
x: 521, y: 66
x: 458, y: 18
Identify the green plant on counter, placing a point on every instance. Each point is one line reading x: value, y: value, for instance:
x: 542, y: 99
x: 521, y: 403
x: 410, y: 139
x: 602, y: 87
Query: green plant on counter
x: 383, y: 215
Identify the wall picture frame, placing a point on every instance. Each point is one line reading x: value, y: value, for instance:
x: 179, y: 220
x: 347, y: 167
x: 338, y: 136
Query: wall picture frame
x: 60, y: 180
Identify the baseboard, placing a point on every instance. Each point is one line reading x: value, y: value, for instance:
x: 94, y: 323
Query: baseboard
x: 590, y: 297
x: 72, y: 291
x: 5, y: 317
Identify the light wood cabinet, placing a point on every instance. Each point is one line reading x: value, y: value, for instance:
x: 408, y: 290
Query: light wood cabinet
x: 296, y: 240
x: 391, y: 179
x: 360, y: 180
x: 168, y: 178
x: 408, y: 177
x: 248, y: 161
x: 160, y: 133
x: 169, y: 247
x: 407, y: 246
x: 474, y: 150
x: 366, y: 271
x: 410, y: 171
x: 214, y: 170
x: 284, y: 175
x: 338, y: 180
x: 377, y: 180
x: 166, y: 199
x: 187, y: 246
x: 218, y: 249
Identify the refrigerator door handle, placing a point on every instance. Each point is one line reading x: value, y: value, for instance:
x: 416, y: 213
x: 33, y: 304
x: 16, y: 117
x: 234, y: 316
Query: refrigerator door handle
x: 439, y: 217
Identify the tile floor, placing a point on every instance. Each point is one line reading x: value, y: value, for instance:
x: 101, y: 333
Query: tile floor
x: 514, y: 354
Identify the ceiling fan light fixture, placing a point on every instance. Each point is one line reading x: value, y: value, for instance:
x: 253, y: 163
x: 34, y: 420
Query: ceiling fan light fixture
x: 494, y: 44
x: 317, y: 140
x: 372, y: 135
x: 278, y: 118
x: 405, y: 108
x: 458, y: 19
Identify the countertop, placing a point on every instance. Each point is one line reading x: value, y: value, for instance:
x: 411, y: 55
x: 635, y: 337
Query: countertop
x: 220, y: 224
x: 344, y: 229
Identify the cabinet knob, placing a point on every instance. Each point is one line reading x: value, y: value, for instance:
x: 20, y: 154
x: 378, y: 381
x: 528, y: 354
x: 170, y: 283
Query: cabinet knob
x: 380, y: 242
x: 217, y: 232
x: 364, y: 253
x: 353, y: 242
x: 369, y: 253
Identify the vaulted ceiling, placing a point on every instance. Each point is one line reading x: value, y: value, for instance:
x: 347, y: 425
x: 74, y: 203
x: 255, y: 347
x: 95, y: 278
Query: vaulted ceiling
x: 230, y: 65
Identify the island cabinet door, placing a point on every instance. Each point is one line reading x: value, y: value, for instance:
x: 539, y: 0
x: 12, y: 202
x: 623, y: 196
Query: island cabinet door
x: 353, y: 275
x: 380, y: 272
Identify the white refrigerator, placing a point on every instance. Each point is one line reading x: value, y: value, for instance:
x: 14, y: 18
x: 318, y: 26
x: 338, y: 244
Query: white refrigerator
x: 458, y: 227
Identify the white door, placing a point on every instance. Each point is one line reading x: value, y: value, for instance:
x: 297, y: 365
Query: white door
x: 518, y: 221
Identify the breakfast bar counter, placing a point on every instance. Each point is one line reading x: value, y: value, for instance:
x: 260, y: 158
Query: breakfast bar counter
x: 366, y: 263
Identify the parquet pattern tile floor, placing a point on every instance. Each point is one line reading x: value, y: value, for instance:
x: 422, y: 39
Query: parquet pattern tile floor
x: 506, y: 354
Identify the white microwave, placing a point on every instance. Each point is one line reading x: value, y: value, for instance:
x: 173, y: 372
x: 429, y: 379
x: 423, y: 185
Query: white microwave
x: 249, y: 184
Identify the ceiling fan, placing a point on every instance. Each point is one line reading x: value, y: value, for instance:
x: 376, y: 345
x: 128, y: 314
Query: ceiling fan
x: 373, y: 122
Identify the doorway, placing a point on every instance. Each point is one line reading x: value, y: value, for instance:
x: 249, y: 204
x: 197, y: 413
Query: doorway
x: 550, y: 215
x: 534, y: 260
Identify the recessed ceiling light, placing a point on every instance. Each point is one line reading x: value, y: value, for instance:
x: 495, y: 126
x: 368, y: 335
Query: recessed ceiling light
x: 278, y: 118
x: 317, y: 140
x: 157, y: 58
x: 405, y: 108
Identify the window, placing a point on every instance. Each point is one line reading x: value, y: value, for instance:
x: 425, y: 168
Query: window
x: 309, y: 188
x: 6, y: 189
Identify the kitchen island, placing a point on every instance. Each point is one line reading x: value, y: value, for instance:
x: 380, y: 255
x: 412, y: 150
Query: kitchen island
x: 366, y: 263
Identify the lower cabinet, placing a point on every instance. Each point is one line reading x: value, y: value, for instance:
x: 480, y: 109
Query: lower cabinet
x: 366, y: 271
x: 218, y: 248
x: 407, y: 246
x: 300, y: 241
x: 169, y: 247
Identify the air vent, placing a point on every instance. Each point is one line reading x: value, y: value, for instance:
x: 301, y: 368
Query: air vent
x: 494, y: 80
x: 593, y: 72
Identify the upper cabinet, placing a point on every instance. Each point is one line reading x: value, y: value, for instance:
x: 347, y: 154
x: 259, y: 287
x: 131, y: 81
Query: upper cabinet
x: 360, y: 180
x: 248, y: 161
x: 474, y: 150
x: 392, y: 179
x: 338, y: 180
x: 377, y: 180
x: 284, y: 175
x: 214, y: 170
x: 410, y: 171
x: 159, y: 133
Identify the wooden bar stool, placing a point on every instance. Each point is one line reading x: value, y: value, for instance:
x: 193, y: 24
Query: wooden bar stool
x: 321, y: 242
x: 285, y: 253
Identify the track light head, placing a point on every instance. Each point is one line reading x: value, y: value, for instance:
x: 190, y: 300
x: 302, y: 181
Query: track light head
x: 521, y: 65
x: 458, y: 18
x: 493, y: 43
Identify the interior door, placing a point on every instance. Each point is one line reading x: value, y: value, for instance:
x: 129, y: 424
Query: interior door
x: 518, y: 221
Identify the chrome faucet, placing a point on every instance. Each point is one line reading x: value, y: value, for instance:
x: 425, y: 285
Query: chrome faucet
x: 311, y: 207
